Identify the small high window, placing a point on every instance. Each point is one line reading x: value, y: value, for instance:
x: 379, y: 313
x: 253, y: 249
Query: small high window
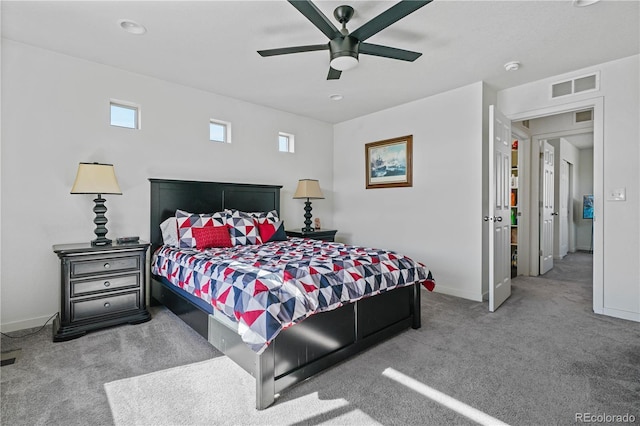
x: 285, y: 142
x: 219, y: 131
x: 124, y: 114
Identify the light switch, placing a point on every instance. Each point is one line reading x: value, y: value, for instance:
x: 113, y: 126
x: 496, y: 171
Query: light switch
x: 617, y: 194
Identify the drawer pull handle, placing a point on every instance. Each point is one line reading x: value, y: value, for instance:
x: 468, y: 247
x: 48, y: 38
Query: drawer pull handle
x: 107, y: 304
x: 107, y: 283
x: 107, y: 266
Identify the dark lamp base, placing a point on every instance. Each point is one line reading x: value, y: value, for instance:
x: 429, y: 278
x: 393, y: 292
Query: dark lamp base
x: 307, y: 217
x: 101, y: 242
x: 101, y: 220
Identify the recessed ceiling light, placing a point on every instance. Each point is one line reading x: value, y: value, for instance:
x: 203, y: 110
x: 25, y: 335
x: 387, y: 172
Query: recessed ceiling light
x: 512, y: 66
x: 336, y: 97
x: 584, y: 3
x: 131, y: 26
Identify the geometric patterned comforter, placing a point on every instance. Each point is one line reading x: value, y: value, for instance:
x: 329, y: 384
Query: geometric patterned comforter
x: 268, y: 287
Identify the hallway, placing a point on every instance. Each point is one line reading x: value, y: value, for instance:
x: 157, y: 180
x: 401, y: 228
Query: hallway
x: 570, y: 279
x: 576, y: 266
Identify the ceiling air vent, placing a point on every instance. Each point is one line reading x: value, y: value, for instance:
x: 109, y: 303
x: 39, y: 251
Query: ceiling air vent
x: 586, y: 83
x: 583, y: 116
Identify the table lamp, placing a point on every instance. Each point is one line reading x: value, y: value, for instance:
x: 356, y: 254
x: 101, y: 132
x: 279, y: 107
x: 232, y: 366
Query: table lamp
x: 96, y: 178
x: 309, y: 189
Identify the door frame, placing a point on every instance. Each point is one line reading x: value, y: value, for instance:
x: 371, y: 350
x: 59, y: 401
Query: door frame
x: 597, y: 104
x: 562, y: 187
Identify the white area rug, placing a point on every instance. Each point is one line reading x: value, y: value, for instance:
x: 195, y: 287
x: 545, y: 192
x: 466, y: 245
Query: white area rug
x: 217, y: 392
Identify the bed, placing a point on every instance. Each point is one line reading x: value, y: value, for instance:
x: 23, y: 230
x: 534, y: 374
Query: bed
x: 299, y: 350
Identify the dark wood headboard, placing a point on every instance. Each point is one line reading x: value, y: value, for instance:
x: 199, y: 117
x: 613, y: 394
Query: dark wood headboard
x: 206, y: 197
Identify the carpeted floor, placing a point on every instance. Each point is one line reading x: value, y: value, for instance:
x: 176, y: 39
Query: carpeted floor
x: 542, y: 358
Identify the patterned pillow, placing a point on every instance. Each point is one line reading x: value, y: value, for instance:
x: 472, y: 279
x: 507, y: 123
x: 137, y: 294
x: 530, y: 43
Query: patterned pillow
x: 185, y: 221
x: 211, y: 236
x: 272, y: 231
x: 242, y: 228
x: 262, y: 217
x: 169, y: 231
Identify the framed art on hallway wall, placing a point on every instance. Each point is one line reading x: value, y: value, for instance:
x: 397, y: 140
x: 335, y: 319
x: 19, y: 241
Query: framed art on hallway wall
x: 388, y: 163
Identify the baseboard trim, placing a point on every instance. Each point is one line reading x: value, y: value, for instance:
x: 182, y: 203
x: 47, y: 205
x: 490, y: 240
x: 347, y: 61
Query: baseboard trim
x: 24, y: 324
x: 625, y: 315
x: 476, y: 297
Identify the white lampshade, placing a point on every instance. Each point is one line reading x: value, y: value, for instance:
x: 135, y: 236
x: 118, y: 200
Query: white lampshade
x: 95, y: 178
x: 308, y: 188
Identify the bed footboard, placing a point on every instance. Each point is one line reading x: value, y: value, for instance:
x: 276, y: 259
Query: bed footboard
x: 320, y: 341
x: 261, y: 367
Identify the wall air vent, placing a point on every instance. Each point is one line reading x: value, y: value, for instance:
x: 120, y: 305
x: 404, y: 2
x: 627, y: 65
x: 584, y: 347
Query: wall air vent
x: 585, y: 83
x: 583, y: 116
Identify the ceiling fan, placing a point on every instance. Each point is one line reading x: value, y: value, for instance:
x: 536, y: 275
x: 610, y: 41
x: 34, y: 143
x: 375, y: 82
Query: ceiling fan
x: 344, y: 46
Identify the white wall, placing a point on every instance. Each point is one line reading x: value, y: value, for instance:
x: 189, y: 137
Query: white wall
x: 55, y: 111
x: 438, y: 221
x: 585, y: 187
x: 620, y: 89
x: 559, y: 125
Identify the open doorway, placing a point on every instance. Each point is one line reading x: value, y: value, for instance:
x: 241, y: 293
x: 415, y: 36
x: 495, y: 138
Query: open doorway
x: 597, y: 104
x: 570, y: 136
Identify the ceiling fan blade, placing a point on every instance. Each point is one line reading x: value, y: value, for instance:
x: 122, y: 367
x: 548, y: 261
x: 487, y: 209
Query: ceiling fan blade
x: 316, y: 17
x: 333, y: 74
x: 295, y: 49
x: 388, y: 17
x: 389, y: 52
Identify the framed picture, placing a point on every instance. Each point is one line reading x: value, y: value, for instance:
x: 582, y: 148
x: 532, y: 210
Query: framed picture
x: 388, y: 163
x: 587, y: 207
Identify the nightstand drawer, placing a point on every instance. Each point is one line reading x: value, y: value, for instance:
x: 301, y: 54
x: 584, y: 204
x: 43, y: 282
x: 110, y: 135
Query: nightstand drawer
x: 320, y: 234
x: 104, y: 306
x: 115, y: 264
x: 79, y: 288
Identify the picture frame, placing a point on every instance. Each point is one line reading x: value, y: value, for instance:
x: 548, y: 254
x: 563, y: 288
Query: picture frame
x: 587, y: 207
x: 388, y: 163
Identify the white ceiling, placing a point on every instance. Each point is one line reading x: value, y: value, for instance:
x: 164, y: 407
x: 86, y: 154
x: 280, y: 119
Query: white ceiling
x: 581, y: 141
x: 211, y: 45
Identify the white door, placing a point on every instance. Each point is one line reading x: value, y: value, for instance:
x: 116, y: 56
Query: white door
x: 563, y: 219
x: 499, y: 208
x: 546, y: 208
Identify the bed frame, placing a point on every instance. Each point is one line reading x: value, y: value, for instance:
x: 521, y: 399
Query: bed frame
x: 302, y: 350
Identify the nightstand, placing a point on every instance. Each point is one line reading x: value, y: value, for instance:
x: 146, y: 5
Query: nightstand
x: 101, y: 286
x: 320, y: 234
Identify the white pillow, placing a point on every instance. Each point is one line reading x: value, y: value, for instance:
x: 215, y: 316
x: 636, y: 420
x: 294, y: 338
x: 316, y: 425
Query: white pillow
x: 169, y: 230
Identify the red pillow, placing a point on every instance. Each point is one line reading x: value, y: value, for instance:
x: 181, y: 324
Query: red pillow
x: 272, y: 231
x: 212, y: 236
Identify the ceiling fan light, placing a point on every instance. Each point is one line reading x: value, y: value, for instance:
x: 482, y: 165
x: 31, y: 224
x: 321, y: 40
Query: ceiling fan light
x: 343, y: 63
